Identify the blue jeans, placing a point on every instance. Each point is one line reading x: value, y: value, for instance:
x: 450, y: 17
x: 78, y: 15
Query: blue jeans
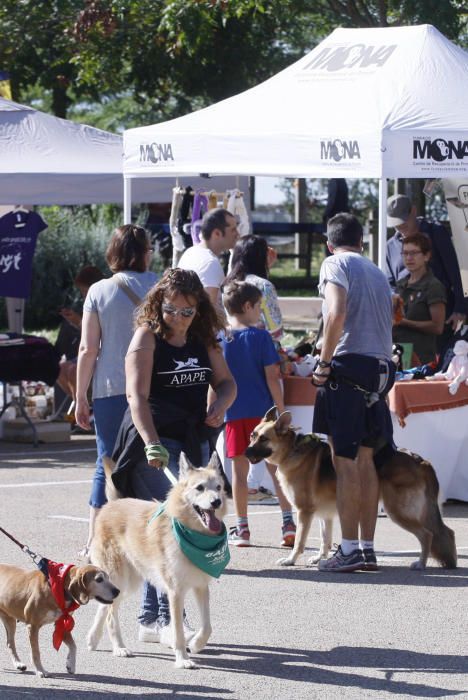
x: 153, y: 483
x: 108, y: 413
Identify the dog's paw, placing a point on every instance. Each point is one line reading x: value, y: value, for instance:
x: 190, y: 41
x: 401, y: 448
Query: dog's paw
x: 313, y: 561
x: 286, y: 561
x: 122, y: 651
x: 70, y: 668
x: 418, y: 566
x: 185, y: 663
x: 197, y: 644
x: 20, y: 666
x: 42, y: 674
x: 92, y: 642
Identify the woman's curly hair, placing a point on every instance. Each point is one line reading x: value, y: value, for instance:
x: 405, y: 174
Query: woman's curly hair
x: 205, y: 324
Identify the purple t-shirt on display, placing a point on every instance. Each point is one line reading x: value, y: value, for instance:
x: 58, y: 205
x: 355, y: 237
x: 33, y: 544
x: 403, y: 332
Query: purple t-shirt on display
x: 18, y: 235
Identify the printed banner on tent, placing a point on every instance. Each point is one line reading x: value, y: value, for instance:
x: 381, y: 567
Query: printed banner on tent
x: 19, y: 230
x: 456, y: 196
x: 426, y: 155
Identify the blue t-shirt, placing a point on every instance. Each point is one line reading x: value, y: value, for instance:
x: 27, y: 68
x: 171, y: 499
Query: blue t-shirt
x: 247, y: 355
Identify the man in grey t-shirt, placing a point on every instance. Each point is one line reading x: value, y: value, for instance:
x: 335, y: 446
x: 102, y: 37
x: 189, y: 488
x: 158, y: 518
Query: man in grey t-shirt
x: 354, y: 374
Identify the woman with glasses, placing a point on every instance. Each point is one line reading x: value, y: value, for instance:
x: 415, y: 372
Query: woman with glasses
x: 424, y: 299
x: 106, y: 331
x: 172, y: 361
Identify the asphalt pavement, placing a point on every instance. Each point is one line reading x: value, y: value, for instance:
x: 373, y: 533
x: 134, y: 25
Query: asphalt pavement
x: 277, y: 633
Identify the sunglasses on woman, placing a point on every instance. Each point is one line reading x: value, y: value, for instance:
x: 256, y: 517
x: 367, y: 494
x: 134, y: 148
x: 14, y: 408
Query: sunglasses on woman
x: 186, y: 312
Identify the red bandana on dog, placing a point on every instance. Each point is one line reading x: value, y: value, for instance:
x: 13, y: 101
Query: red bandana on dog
x: 56, y: 575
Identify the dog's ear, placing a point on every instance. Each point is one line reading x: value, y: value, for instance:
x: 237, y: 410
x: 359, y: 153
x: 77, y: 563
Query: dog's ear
x: 185, y: 466
x: 283, y: 423
x: 214, y: 462
x: 79, y: 582
x: 271, y: 414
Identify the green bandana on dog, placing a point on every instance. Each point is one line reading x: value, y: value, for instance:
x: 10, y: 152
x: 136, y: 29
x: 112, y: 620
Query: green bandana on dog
x: 210, y: 553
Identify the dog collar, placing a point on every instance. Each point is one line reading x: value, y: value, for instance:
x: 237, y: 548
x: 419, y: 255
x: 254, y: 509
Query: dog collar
x: 210, y: 553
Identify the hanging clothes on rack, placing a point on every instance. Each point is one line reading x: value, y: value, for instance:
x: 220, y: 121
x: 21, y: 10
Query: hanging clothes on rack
x: 212, y: 200
x: 178, y: 243
x: 185, y: 217
x: 19, y: 230
x: 200, y: 207
x: 236, y: 207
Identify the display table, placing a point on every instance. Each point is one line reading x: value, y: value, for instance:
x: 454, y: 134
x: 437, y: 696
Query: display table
x: 426, y: 420
x: 26, y: 358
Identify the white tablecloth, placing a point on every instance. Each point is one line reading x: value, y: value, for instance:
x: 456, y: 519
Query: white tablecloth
x: 441, y: 437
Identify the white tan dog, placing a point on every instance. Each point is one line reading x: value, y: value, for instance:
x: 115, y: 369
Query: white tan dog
x: 134, y: 545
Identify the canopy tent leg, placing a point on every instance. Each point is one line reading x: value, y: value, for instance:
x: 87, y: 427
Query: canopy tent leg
x: 383, y: 191
x: 127, y: 200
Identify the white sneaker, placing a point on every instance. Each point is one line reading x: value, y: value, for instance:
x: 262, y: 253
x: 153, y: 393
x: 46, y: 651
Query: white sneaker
x: 166, y: 635
x: 150, y: 633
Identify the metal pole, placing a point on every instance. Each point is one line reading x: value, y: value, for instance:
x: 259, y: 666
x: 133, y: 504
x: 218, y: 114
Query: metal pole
x: 382, y: 246
x: 127, y: 200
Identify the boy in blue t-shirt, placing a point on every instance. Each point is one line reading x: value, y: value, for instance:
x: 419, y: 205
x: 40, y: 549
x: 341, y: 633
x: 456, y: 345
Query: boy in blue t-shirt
x: 254, y: 362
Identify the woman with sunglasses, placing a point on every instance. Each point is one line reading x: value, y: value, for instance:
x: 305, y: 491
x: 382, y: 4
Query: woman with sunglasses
x: 424, y: 299
x: 172, y: 361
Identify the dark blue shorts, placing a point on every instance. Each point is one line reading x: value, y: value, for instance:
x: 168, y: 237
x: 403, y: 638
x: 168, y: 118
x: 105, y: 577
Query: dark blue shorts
x: 342, y: 411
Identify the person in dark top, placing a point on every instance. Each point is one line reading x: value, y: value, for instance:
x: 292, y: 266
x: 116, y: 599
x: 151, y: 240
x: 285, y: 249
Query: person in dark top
x: 68, y: 338
x: 444, y: 263
x: 337, y: 202
x: 337, y: 198
x: 172, y: 362
x: 423, y: 297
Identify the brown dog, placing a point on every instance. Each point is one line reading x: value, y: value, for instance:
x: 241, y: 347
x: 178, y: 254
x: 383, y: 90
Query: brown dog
x: 26, y: 596
x: 408, y: 486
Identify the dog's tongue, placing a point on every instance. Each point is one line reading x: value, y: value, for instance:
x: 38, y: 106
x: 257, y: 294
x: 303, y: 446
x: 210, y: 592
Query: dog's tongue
x: 213, y: 523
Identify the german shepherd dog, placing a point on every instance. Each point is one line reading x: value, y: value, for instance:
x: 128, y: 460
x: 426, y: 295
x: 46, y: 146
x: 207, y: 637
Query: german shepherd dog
x: 135, y: 546
x: 408, y: 488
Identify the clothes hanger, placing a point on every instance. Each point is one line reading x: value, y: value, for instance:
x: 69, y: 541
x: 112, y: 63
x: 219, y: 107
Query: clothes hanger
x: 18, y: 210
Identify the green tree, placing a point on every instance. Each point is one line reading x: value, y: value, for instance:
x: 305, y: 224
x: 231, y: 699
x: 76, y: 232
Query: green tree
x: 134, y: 61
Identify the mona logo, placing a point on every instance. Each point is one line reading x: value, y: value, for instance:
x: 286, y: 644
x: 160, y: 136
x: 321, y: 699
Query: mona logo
x: 338, y: 150
x: 155, y: 152
x: 355, y: 57
x: 439, y: 150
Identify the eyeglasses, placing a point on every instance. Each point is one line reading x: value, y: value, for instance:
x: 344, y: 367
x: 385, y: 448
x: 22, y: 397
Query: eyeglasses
x: 186, y: 312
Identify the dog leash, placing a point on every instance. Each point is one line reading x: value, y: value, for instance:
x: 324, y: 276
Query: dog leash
x: 170, y: 475
x: 35, y: 557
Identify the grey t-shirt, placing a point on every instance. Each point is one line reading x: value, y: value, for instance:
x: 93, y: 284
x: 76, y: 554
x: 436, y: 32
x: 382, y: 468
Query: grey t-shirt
x: 368, y: 323
x: 115, y: 314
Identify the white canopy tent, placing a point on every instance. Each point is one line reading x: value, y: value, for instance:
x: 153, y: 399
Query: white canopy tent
x: 365, y: 103
x: 47, y: 160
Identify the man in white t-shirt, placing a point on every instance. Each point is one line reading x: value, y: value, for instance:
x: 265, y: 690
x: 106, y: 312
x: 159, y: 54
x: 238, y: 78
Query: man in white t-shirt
x: 219, y: 233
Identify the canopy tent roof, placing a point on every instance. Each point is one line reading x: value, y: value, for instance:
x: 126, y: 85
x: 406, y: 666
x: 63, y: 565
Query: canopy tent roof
x: 386, y: 102
x: 47, y: 160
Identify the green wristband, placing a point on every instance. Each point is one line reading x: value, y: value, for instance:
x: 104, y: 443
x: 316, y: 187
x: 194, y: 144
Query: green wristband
x: 157, y: 452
